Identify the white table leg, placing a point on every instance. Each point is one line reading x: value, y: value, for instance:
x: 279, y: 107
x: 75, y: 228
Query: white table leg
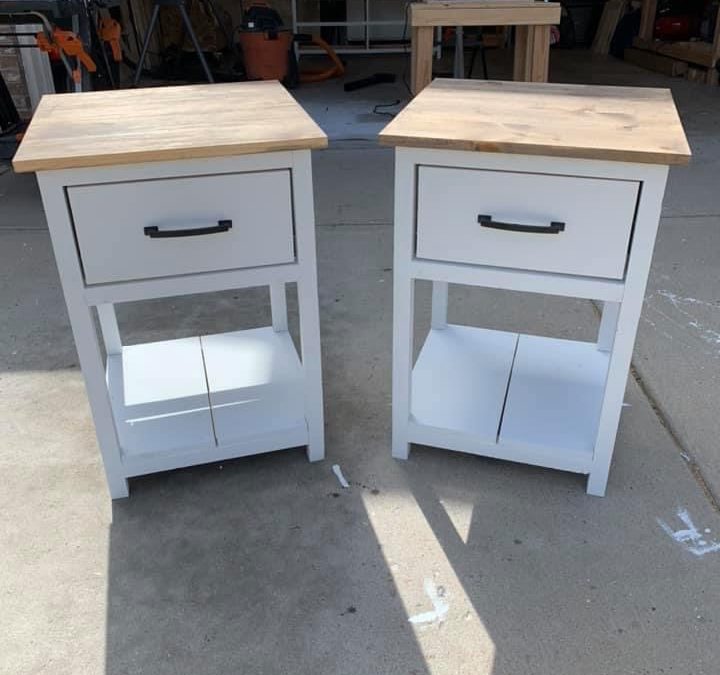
x: 403, y: 305
x: 439, y: 304
x: 308, y: 304
x: 608, y: 326
x: 278, y: 306
x: 109, y: 328
x: 86, y: 338
x: 646, y: 223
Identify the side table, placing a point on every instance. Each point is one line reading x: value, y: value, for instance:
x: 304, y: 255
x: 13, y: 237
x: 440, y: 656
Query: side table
x: 155, y: 193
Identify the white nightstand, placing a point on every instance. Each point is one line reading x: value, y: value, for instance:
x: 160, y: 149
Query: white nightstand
x: 541, y: 188
x: 162, y: 192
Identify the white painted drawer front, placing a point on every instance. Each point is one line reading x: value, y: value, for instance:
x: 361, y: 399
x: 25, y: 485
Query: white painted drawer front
x: 111, y: 221
x: 594, y: 218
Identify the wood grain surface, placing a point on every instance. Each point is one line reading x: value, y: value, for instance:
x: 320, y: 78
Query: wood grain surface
x: 632, y: 124
x: 160, y: 124
x: 503, y: 13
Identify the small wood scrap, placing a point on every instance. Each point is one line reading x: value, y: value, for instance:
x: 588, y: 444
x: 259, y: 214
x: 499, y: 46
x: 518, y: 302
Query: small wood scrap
x: 613, y: 11
x: 656, y: 62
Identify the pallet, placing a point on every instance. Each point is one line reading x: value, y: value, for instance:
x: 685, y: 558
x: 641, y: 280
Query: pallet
x: 656, y: 62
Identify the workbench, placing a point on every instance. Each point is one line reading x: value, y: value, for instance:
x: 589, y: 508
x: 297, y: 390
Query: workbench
x: 535, y: 188
x: 532, y: 21
x: 153, y: 193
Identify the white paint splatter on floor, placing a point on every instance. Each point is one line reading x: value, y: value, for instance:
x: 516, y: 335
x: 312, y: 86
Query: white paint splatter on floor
x: 440, y: 607
x: 690, y: 537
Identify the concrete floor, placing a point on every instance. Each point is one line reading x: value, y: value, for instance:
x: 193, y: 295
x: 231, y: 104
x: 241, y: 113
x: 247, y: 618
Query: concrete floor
x: 266, y: 565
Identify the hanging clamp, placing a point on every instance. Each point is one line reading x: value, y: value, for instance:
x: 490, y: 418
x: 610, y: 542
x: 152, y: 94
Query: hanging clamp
x: 110, y: 31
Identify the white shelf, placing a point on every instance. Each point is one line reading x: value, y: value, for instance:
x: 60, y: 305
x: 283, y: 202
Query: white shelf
x: 523, y: 398
x: 460, y: 380
x: 202, y: 399
x: 554, y: 399
x: 255, y: 381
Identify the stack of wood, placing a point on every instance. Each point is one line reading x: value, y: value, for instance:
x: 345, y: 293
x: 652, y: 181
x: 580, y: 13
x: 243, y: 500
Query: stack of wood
x: 613, y: 11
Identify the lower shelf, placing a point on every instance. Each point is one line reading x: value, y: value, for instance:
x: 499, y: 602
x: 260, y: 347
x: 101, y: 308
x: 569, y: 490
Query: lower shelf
x: 202, y: 399
x: 523, y: 398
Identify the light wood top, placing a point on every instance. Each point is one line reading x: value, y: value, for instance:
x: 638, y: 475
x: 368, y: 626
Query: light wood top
x: 631, y: 124
x: 160, y: 124
x: 491, y: 13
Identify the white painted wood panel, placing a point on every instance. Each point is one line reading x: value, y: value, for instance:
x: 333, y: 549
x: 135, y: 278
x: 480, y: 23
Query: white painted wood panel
x: 255, y: 381
x: 159, y: 397
x: 460, y: 379
x: 597, y: 216
x: 555, y: 396
x: 110, y: 220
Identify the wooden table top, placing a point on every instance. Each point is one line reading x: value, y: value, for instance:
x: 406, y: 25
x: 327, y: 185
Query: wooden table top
x: 159, y: 124
x: 631, y: 124
x: 490, y: 13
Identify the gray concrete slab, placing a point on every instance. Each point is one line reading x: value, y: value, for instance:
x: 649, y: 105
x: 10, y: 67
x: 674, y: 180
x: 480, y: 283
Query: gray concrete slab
x: 266, y: 565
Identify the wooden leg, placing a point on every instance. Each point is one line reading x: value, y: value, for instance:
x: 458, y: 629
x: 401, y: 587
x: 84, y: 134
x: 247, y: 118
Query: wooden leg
x: 439, y: 304
x: 109, y: 328
x: 308, y: 305
x: 540, y: 59
x: 523, y: 53
x: 278, y: 306
x: 608, y: 326
x: 421, y: 58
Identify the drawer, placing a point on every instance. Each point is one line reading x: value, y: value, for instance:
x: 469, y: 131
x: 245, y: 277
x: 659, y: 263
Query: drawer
x: 158, y: 228
x: 529, y: 221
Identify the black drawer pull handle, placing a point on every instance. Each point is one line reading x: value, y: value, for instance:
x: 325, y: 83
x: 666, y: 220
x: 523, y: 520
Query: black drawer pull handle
x: 553, y: 228
x: 154, y: 232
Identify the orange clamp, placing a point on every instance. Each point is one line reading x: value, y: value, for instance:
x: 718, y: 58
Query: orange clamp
x: 69, y: 43
x: 110, y: 32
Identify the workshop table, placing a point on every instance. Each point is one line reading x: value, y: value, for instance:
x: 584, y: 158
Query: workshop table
x: 532, y: 33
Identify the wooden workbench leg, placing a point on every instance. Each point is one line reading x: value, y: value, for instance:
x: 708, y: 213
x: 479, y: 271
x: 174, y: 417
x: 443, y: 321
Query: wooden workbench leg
x: 439, y: 304
x: 540, y: 54
x: 523, y: 53
x: 421, y: 58
x: 308, y: 307
x: 278, y: 306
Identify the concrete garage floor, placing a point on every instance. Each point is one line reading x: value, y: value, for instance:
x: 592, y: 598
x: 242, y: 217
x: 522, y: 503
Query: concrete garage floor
x: 266, y: 565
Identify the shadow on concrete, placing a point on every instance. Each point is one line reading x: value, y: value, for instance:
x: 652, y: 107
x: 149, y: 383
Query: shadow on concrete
x: 260, y: 565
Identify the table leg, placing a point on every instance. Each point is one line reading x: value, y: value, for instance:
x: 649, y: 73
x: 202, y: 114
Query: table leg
x: 109, y: 329
x: 459, y: 65
x: 308, y: 306
x: 278, y: 306
x: 421, y: 61
x: 523, y: 44
x: 439, y: 304
x: 532, y: 53
x: 540, y: 61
